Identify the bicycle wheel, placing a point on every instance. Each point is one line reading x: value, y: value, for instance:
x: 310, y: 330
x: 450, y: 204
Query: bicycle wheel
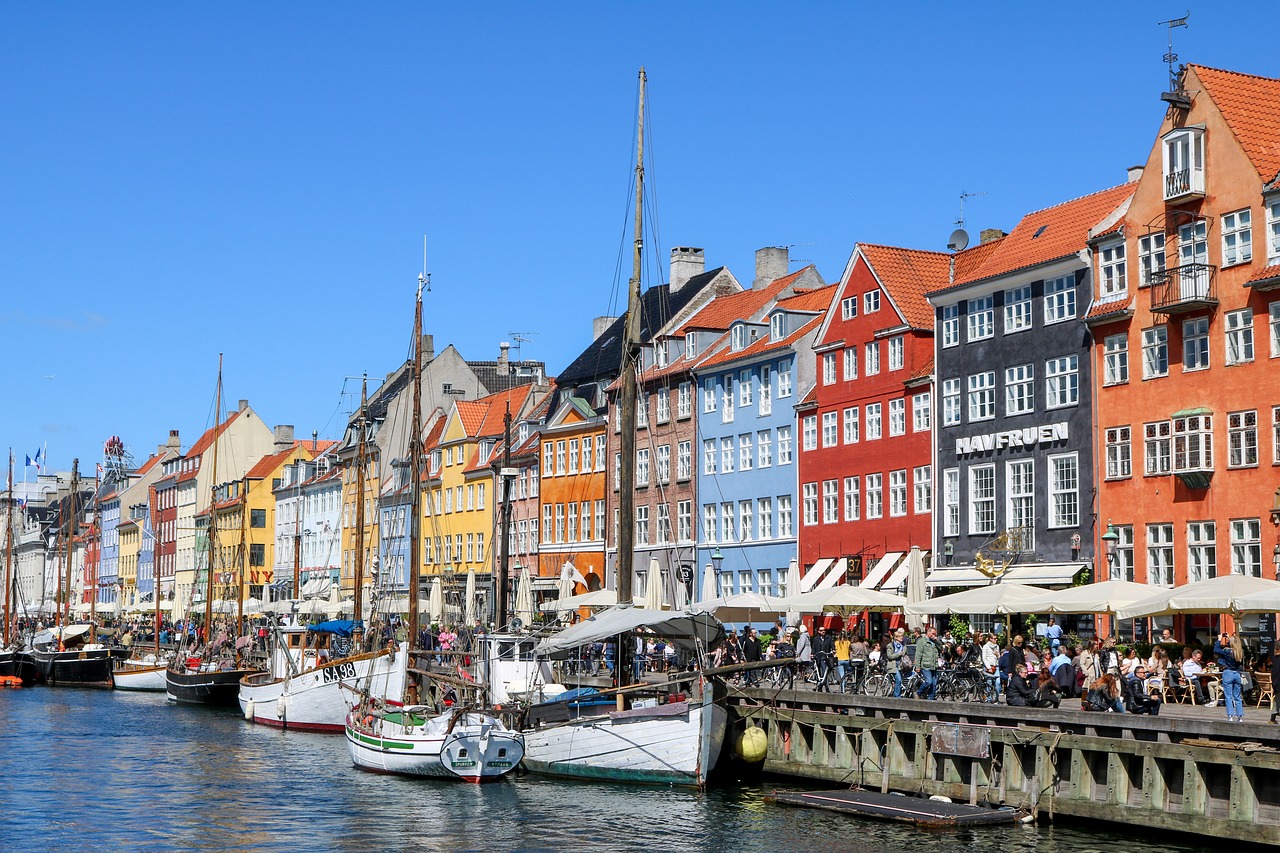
x: 878, y: 685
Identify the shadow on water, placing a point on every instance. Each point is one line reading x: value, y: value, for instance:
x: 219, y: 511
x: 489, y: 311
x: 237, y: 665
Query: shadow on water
x: 104, y: 772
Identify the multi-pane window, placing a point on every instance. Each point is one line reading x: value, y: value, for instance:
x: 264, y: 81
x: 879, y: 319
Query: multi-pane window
x: 572, y: 534
x: 873, y: 421
x: 642, y: 525
x: 851, y: 425
x: 981, y: 318
x: 1193, y: 443
x: 1119, y: 453
x: 1239, y: 325
x: 1019, y: 389
x: 1274, y: 311
x: 1017, y: 309
x: 664, y: 524
x: 848, y: 308
x: 784, y: 516
x: 1155, y: 352
x: 663, y: 402
x: 1150, y: 256
x: 784, y: 445
x: 950, y: 325
x: 709, y: 456
x: 896, y: 352
x: 852, y: 498
x: 951, y: 502
x: 709, y: 524
x: 1111, y: 268
x: 560, y: 456
x: 1246, y: 547
x: 1157, y: 448
x: 1116, y: 359
x: 684, y: 400
x: 726, y: 401
x: 745, y: 453
x: 642, y: 467
x: 828, y: 368
x: 872, y: 357
x: 784, y: 379
x: 1020, y: 486
x: 708, y: 395
x: 1237, y: 237
x: 1160, y: 554
x: 1275, y: 435
x: 871, y: 302
x: 950, y: 402
x: 1062, y: 381
x: 777, y: 326
x: 745, y: 382
x: 1122, y: 568
x: 1242, y: 439
x: 573, y: 456
x: 727, y: 533
x: 766, y: 390
x: 726, y: 455
x: 642, y: 409
x: 764, y: 448
x: 830, y: 501
x: 809, y: 432
x: 746, y: 522
x: 764, y: 507
x: 830, y: 429
x: 898, y: 492
x: 1059, y: 299
x: 850, y: 357
x: 921, y: 412
x: 560, y: 522
x: 875, y: 495
x: 982, y: 499
x: 1193, y: 248
x: 664, y: 464
x: 982, y: 396
x: 1273, y: 231
x: 684, y: 460
x: 1202, y: 550
x: 1064, y: 490
x: 922, y: 478
x: 810, y: 494
x: 898, y: 416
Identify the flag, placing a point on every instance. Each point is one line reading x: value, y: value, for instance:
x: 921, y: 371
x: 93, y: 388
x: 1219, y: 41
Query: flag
x: 99, y: 469
x: 31, y: 464
x: 38, y: 462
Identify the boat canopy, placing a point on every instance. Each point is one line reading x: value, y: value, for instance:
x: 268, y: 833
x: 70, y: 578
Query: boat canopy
x: 685, y: 630
x: 338, y: 627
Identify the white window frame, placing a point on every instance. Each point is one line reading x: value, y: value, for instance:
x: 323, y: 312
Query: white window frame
x: 785, y: 525
x: 922, y: 484
x: 897, y: 353
x: 1242, y: 439
x: 684, y: 460
x: 921, y: 412
x: 709, y: 456
x: 848, y: 308
x: 1273, y: 321
x: 684, y: 401
x: 784, y: 379
x: 950, y: 325
x: 1062, y: 381
x: 1193, y: 443
x: 1020, y: 499
x: 874, y: 503
x: 746, y: 457
x: 873, y: 428
x: 951, y: 502
x: 898, y: 493
x: 828, y: 368
x: 852, y: 498
x: 851, y: 424
x: 764, y: 448
x: 764, y: 516
x: 982, y: 396
x: 982, y: 499
x: 830, y: 428
x: 1157, y: 448
x: 1064, y: 496
x: 1019, y: 389
x: 809, y: 432
x: 709, y: 395
x: 871, y: 358
x: 766, y: 390
x: 1116, y: 359
x: 809, y: 493
x: 1119, y: 447
x: 1017, y: 309
x: 1237, y: 237
x: 871, y: 302
x: 1060, y: 299
x: 726, y: 454
x: 1238, y: 327
x: 980, y: 318
x: 1202, y: 550
x: 951, y: 410
x: 898, y: 416
x: 1160, y: 554
x: 830, y: 501
x: 850, y: 359
x: 1155, y: 352
x: 1151, y: 258
x: 784, y: 445
x: 1246, y: 547
x: 1111, y: 270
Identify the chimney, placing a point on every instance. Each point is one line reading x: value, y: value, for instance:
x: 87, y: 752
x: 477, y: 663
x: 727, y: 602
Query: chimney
x: 1133, y: 174
x: 283, y: 438
x: 174, y: 443
x: 504, y: 363
x: 600, y: 325
x: 244, y: 404
x: 686, y: 262
x: 986, y: 235
x: 771, y: 264
x: 428, y: 348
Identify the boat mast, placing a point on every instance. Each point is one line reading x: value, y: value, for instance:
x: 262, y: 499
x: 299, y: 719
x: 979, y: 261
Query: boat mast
x: 95, y: 537
x: 155, y: 563
x: 627, y: 399
x: 213, y: 511
x: 415, y: 474
x: 504, y: 545
x: 357, y: 631
x: 240, y: 565
x: 8, y: 552
x: 70, y: 535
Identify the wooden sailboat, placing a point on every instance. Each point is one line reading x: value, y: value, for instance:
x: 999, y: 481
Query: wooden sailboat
x: 211, y: 674
x: 670, y: 738
x: 16, y: 669
x: 387, y: 733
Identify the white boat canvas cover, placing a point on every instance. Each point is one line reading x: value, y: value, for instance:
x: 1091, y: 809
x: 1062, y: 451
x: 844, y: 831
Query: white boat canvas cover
x: 685, y: 630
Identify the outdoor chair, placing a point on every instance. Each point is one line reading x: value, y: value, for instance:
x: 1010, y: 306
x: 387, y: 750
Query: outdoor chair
x: 1263, y: 688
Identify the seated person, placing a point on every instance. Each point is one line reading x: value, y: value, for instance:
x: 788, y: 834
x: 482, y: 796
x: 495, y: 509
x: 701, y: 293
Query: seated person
x: 1137, y: 698
x: 1103, y: 695
x: 1018, y: 690
x: 1192, y: 669
x: 1046, y: 693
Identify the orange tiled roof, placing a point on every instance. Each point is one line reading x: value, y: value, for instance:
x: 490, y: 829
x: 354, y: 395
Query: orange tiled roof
x: 268, y: 463
x: 1267, y: 274
x: 471, y: 413
x: 497, y: 408
x: 758, y: 347
x: 1109, y: 307
x: 1250, y: 106
x: 720, y: 312
x: 432, y: 438
x: 907, y: 275
x: 818, y: 299
x: 923, y: 373
x: 149, y: 464
x: 206, y: 441
x: 1049, y: 234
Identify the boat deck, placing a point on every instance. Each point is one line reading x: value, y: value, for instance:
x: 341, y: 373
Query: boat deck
x: 895, y: 807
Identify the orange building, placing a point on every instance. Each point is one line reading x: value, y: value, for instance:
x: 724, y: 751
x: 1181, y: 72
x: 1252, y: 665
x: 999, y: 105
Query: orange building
x: 573, y: 493
x: 1186, y: 327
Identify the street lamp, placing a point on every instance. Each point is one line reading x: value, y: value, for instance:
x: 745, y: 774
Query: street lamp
x: 717, y: 560
x: 1110, y: 539
x: 1275, y: 560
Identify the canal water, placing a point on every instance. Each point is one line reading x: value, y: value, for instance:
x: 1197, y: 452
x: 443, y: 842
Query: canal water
x: 94, y: 772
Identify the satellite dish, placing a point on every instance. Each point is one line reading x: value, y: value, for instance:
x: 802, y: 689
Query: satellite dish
x: 516, y: 624
x: 958, y: 241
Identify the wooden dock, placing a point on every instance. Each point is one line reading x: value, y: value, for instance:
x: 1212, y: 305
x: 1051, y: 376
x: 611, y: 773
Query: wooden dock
x: 935, y: 814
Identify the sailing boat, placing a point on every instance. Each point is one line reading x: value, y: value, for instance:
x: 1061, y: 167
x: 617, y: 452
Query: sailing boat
x: 308, y: 688
x: 211, y: 677
x: 386, y: 734
x: 147, y: 673
x: 15, y: 667
x: 671, y: 737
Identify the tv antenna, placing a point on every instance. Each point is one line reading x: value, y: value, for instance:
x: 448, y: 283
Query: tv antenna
x: 519, y: 338
x: 791, y: 246
x: 424, y: 277
x: 963, y: 196
x: 1170, y: 57
x: 959, y: 239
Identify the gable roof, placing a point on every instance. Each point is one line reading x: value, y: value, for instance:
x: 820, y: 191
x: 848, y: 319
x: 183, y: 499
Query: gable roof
x: 1250, y: 105
x: 721, y: 312
x: 206, y: 441
x: 818, y: 299
x: 269, y: 463
x: 759, y: 347
x: 907, y: 275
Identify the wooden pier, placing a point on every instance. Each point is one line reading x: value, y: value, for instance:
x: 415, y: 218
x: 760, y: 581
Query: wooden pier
x: 1197, y: 775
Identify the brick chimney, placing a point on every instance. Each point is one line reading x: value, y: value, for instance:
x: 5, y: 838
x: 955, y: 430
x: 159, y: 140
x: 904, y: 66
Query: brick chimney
x: 600, y: 325
x: 986, y: 235
x: 504, y: 361
x: 686, y: 262
x: 283, y: 437
x: 772, y: 263
x: 1133, y: 174
x: 428, y: 348
x: 244, y: 404
x: 174, y: 443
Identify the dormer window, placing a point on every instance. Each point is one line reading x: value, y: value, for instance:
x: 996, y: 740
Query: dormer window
x: 660, y: 353
x: 776, y: 324
x: 1183, y: 163
x: 691, y: 345
x: 738, y: 337
x: 486, y: 450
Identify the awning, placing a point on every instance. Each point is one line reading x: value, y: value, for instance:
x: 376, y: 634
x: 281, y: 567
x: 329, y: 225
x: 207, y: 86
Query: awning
x: 1039, y: 574
x: 811, y: 577
x: 874, y: 579
x: 898, y: 577
x: 834, y: 575
x: 1186, y: 413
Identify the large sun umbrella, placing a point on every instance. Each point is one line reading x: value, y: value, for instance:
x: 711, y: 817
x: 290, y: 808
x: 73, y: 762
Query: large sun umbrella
x: 252, y: 605
x: 743, y: 607
x: 564, y: 586
x: 915, y: 576
x: 793, y: 578
x: 596, y: 599
x: 1215, y: 595
x: 469, y: 605
x: 524, y: 597
x: 998, y: 598
x: 1104, y: 597
x: 844, y: 597
x: 435, y: 601
x: 1259, y: 602
x: 709, y: 589
x: 653, y: 587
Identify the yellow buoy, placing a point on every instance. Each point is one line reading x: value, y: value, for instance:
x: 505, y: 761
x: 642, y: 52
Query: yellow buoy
x: 753, y: 745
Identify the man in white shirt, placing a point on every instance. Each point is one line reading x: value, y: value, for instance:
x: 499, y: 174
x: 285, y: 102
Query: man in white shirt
x: 1192, y: 669
x: 991, y: 661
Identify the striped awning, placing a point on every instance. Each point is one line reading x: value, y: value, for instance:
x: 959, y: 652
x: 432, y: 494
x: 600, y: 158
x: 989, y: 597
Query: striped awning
x: 815, y: 573
x: 1036, y: 574
x: 874, y: 579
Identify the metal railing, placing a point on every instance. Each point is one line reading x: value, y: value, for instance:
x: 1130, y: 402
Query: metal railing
x: 1185, y: 288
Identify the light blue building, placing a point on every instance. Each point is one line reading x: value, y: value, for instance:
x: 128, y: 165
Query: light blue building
x: 108, y: 544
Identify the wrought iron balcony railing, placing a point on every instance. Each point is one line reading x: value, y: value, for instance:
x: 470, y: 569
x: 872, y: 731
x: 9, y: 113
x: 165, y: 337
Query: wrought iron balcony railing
x: 1179, y: 290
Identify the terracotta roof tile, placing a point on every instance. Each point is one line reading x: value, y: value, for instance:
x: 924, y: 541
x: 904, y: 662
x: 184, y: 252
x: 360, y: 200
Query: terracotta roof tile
x: 818, y: 299
x: 1250, y: 106
x: 759, y: 347
x: 1109, y: 307
x: 432, y: 438
x: 497, y: 408
x: 268, y: 463
x: 907, y: 275
x: 1049, y: 234
x: 722, y: 311
x: 923, y: 373
x: 1267, y: 274
x: 149, y: 464
x: 206, y: 441
x: 471, y: 413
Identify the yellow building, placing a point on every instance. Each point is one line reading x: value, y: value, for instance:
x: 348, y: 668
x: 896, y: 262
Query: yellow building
x: 130, y: 546
x: 351, y: 480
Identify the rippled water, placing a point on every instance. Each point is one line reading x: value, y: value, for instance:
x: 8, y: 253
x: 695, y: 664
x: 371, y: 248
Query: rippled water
x: 98, y: 771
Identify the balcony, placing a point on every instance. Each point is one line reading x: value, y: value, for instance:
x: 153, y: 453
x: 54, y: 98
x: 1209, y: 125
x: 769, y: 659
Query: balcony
x: 1181, y: 290
x: 1183, y: 184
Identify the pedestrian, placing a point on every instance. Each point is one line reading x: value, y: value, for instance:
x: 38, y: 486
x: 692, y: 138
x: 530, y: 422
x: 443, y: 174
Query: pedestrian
x: 804, y: 646
x: 1018, y: 692
x: 751, y: 654
x: 991, y: 660
x: 1230, y: 656
x: 824, y: 652
x: 1053, y: 633
x: 893, y: 654
x: 1137, y: 696
x: 926, y: 662
x: 842, y: 647
x: 1045, y: 693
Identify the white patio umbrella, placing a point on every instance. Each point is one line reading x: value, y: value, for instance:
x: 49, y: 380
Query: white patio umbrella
x: 793, y: 588
x: 312, y: 607
x: 469, y: 605
x: 1259, y: 602
x: 564, y: 586
x: 1104, y: 597
x: 435, y: 601
x: 336, y: 608
x: 401, y: 605
x: 709, y: 589
x: 524, y: 597
x: 596, y: 599
x: 1215, y: 595
x: 998, y: 598
x: 653, y: 587
x: 915, y: 578
x: 252, y: 605
x: 842, y: 598
x: 222, y: 605
x: 742, y: 607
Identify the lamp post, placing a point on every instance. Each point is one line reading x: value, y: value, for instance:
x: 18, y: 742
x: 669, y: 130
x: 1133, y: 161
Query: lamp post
x: 717, y: 560
x: 1110, y: 539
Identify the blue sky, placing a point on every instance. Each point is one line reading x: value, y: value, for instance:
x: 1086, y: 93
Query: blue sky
x: 181, y: 180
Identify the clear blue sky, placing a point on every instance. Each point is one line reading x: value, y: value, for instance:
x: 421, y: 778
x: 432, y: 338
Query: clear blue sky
x: 256, y: 178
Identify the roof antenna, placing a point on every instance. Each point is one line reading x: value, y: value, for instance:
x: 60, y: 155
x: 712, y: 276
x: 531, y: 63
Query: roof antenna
x: 1175, y: 96
x: 959, y: 239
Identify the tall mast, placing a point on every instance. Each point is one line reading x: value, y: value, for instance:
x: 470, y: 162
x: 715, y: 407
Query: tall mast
x: 504, y: 545
x: 358, y: 579
x: 8, y: 552
x: 630, y: 369
x: 95, y: 538
x: 155, y: 561
x: 415, y: 468
x: 213, y: 511
x: 71, y: 534
x: 241, y: 567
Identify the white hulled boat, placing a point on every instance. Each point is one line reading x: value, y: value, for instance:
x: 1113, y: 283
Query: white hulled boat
x: 411, y: 741
x: 143, y: 674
